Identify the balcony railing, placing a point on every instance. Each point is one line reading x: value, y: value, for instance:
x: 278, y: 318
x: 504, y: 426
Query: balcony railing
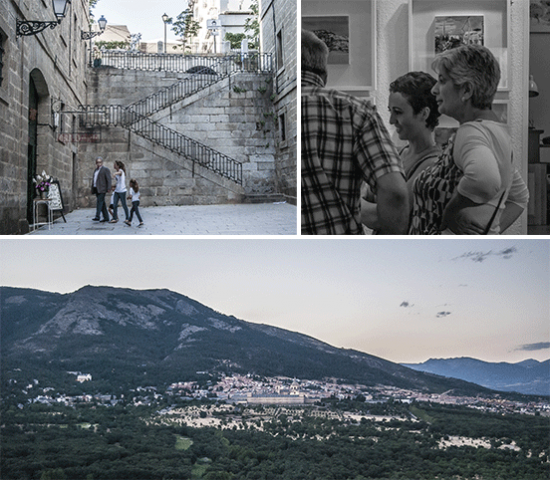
x: 223, y: 65
x: 175, y: 93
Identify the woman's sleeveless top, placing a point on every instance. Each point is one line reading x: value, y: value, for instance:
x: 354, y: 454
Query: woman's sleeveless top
x: 433, y: 189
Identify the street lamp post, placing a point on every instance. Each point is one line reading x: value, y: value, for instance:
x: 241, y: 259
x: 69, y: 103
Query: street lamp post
x: 102, y: 22
x: 165, y: 19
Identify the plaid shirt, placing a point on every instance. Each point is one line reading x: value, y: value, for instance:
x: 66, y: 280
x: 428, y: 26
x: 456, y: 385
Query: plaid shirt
x: 343, y: 143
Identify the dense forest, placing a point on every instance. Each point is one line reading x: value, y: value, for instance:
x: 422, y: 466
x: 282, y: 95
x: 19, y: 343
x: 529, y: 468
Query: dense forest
x: 89, y: 442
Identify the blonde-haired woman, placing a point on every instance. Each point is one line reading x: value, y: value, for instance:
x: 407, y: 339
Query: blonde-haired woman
x: 474, y: 187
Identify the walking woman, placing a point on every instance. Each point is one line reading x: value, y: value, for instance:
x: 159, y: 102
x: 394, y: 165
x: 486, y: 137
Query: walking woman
x: 120, y: 190
x: 474, y: 187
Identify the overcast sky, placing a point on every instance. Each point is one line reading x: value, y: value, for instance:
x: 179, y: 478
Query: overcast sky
x: 403, y: 300
x: 141, y: 16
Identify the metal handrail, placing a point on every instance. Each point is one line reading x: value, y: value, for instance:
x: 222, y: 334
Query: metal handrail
x: 177, y: 92
x: 118, y: 115
x: 234, y: 63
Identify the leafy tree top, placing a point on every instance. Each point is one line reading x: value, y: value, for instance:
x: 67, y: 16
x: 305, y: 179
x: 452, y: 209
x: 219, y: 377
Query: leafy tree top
x: 252, y: 26
x: 185, y: 26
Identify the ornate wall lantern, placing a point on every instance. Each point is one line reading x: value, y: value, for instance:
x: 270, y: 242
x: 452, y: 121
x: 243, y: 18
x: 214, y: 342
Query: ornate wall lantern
x: 102, y: 22
x: 32, y: 27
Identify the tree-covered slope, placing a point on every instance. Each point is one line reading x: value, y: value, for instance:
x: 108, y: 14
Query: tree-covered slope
x: 157, y: 337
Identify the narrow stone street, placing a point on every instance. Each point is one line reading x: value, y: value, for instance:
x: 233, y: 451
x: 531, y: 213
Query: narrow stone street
x: 242, y: 219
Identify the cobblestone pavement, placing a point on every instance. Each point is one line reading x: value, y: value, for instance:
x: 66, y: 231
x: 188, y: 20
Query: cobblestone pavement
x: 248, y: 219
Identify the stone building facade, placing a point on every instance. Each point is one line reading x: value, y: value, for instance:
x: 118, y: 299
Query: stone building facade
x: 231, y: 16
x: 278, y: 36
x: 42, y: 75
x: 274, y: 399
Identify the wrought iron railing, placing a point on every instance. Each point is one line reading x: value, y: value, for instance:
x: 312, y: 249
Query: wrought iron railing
x: 165, y: 97
x: 224, y: 65
x: 118, y: 115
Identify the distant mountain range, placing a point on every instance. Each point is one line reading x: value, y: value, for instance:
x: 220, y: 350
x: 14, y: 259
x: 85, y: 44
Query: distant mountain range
x: 528, y: 377
x: 155, y: 337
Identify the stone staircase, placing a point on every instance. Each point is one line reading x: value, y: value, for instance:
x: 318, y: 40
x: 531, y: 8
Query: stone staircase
x: 203, y: 72
x: 119, y: 116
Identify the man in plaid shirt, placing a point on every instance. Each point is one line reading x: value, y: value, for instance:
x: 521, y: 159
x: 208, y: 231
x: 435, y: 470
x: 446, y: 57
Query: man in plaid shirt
x: 343, y: 143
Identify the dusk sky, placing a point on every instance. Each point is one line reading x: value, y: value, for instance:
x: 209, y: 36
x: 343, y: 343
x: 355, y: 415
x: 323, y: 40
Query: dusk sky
x: 405, y: 300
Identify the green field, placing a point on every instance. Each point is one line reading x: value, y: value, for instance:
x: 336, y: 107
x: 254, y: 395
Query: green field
x: 421, y: 414
x: 183, y: 443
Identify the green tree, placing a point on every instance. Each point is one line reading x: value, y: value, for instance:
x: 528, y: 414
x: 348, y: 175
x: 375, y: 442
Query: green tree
x: 252, y: 26
x: 112, y: 45
x: 92, y: 4
x: 185, y: 27
x: 57, y: 474
x: 235, y: 39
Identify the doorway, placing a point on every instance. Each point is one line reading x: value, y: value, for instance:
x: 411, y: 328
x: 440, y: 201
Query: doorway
x: 32, y: 146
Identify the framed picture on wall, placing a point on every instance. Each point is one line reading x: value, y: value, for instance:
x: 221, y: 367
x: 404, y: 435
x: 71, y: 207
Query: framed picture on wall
x: 539, y: 16
x: 348, y: 28
x: 500, y: 107
x: 437, y: 25
x: 334, y: 32
x: 454, y: 31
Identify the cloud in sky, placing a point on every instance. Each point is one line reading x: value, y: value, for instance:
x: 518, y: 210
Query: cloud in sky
x: 533, y: 347
x: 442, y: 314
x: 506, y: 254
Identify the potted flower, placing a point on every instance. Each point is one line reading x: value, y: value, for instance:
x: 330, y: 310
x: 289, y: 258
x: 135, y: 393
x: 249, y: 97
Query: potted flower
x: 42, y: 184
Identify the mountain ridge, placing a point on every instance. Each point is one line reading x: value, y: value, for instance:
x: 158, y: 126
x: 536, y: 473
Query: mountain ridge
x: 529, y: 376
x: 157, y: 335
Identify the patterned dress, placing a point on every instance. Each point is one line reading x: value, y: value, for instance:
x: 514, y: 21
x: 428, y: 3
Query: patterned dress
x: 433, y: 189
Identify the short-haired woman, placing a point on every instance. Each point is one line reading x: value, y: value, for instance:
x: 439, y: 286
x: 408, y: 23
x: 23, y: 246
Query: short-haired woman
x: 474, y: 187
x: 414, y: 114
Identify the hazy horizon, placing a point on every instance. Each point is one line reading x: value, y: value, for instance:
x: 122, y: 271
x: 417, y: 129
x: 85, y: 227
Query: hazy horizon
x: 402, y: 300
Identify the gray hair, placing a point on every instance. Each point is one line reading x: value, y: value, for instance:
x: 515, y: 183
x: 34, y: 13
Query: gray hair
x: 474, y: 65
x: 314, y: 53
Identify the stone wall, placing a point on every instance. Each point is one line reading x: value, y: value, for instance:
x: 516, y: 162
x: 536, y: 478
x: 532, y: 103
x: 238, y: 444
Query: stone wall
x: 279, y: 37
x: 233, y: 116
x: 164, y: 177
x: 55, y: 59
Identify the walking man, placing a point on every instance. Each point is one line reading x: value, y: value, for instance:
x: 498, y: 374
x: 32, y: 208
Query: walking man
x: 101, y: 184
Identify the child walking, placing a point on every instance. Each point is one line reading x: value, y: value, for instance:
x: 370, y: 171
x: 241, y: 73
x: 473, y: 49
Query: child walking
x: 134, y: 195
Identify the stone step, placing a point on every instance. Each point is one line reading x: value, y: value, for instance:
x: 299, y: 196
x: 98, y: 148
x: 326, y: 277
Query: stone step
x: 264, y: 198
